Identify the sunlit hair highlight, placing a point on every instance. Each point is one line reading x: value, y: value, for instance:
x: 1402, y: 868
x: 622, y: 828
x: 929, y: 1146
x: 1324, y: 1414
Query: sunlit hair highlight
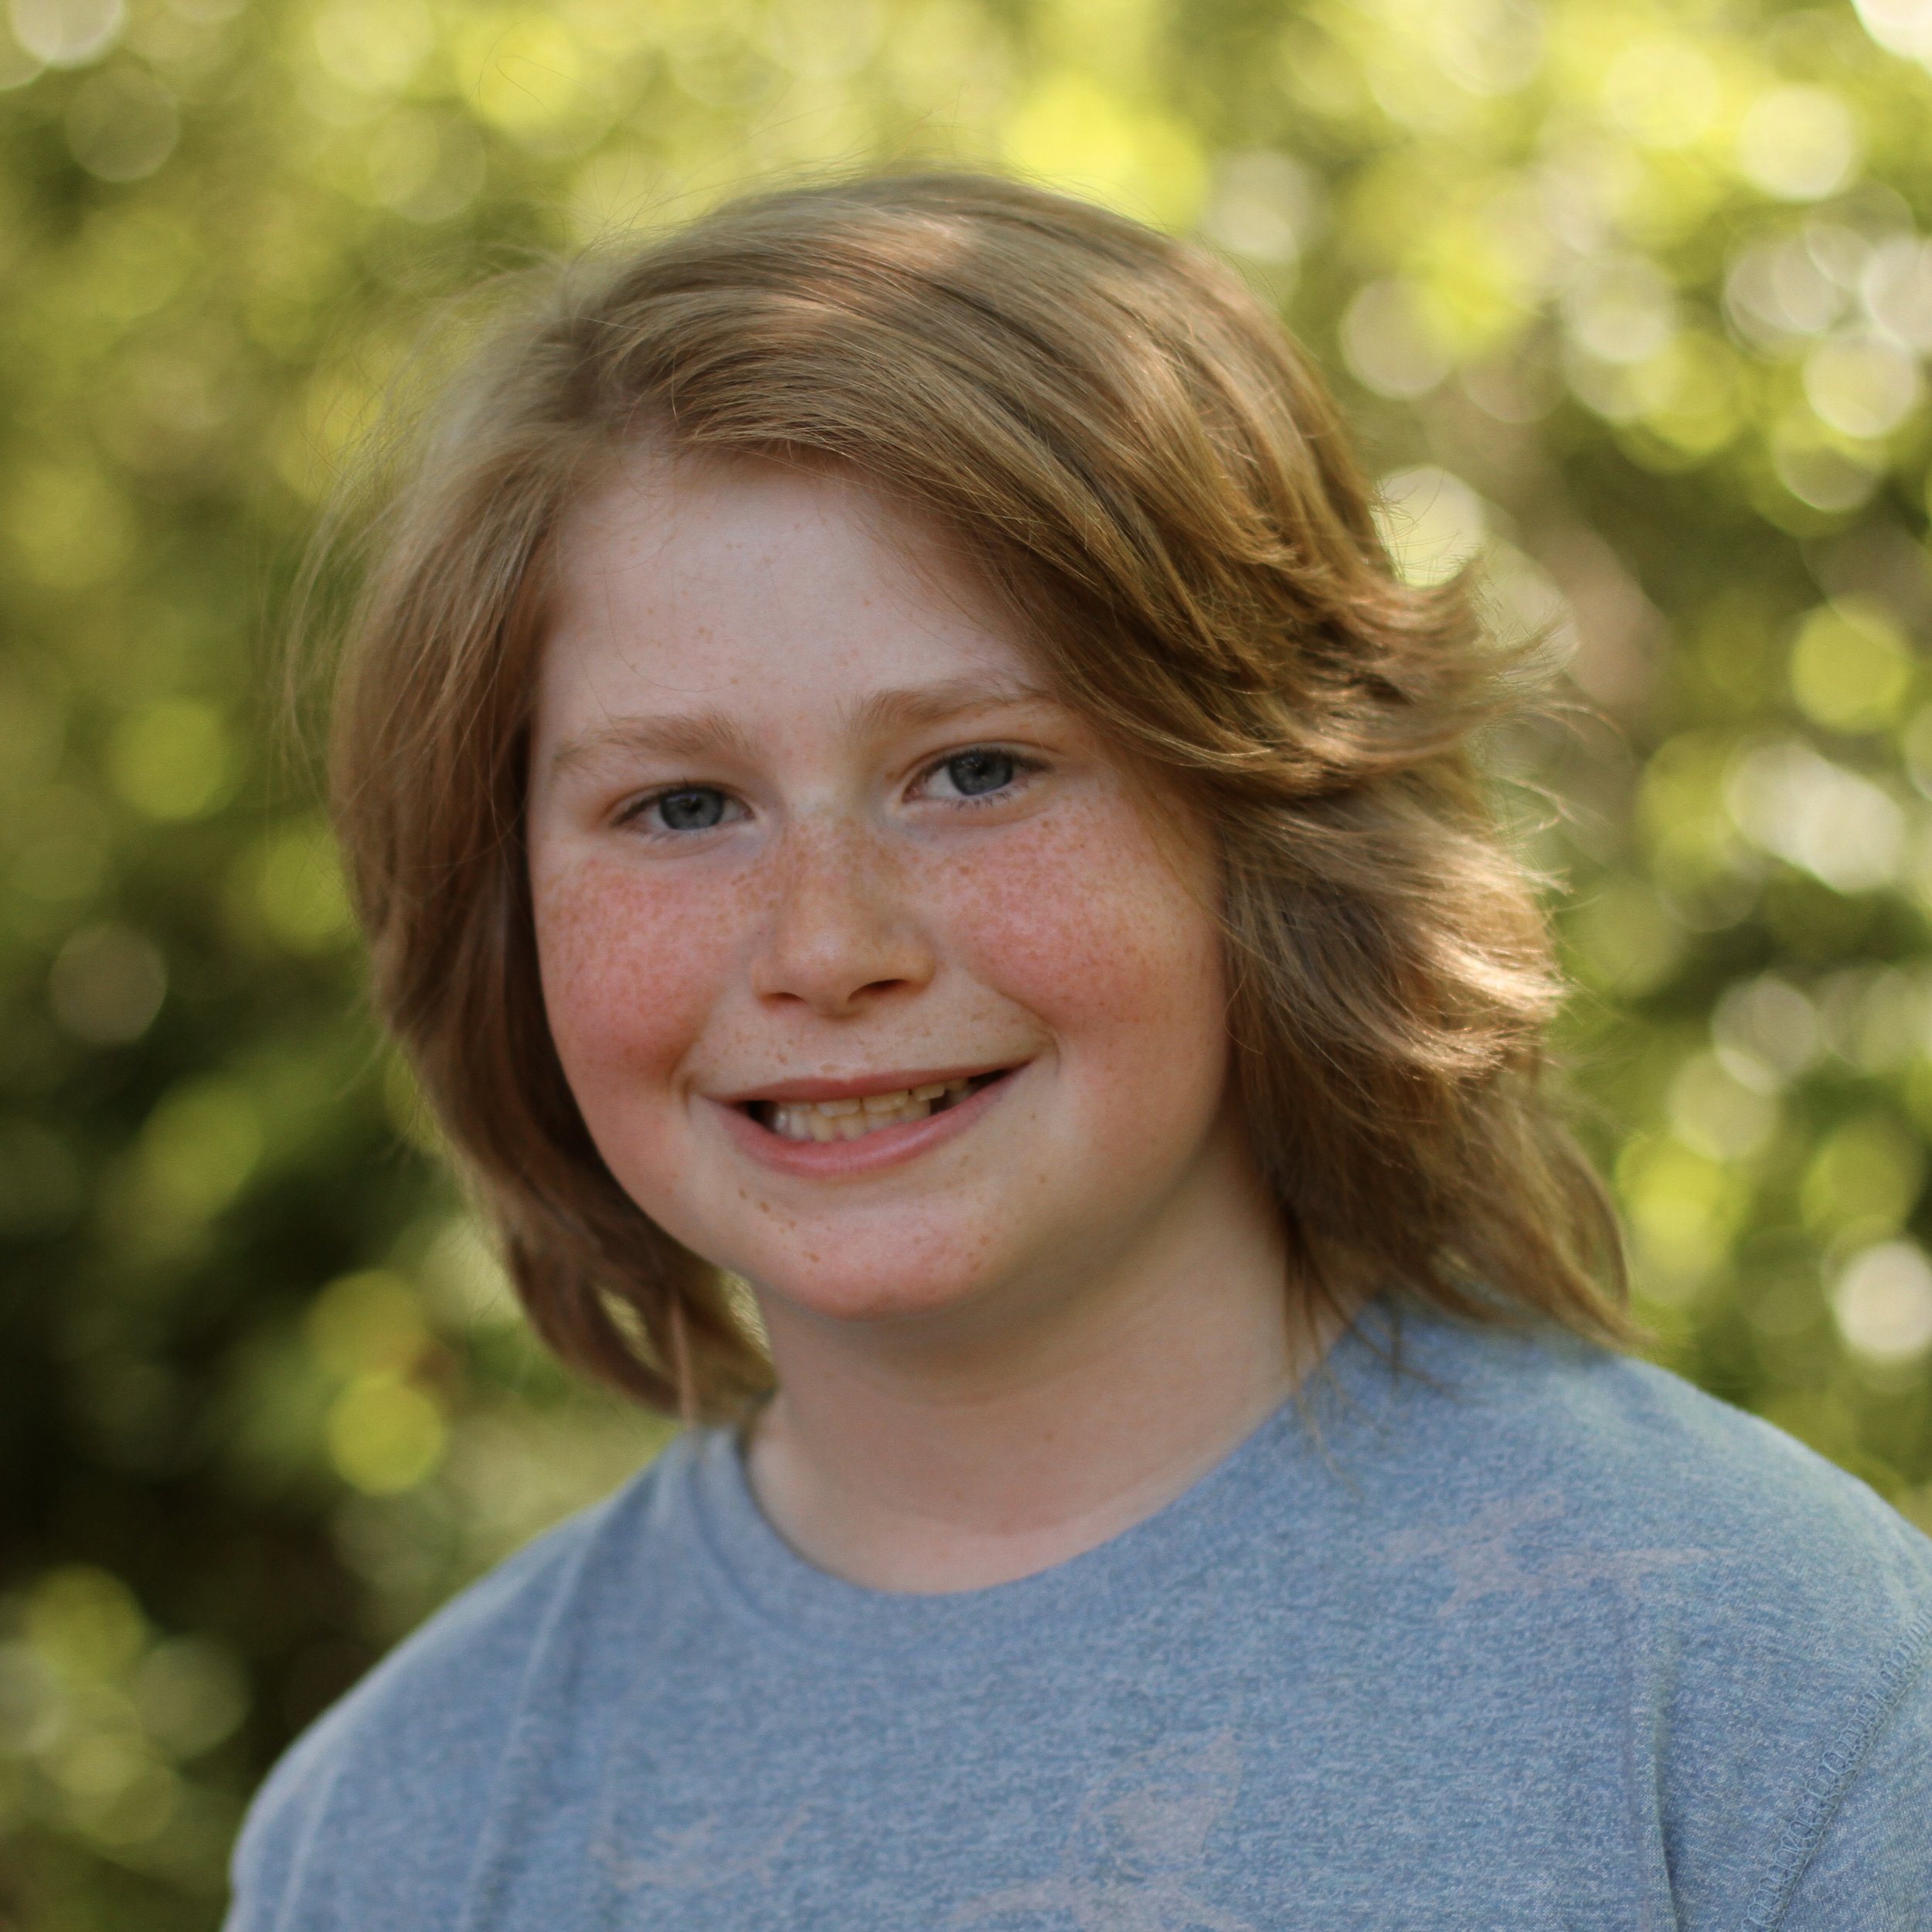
x: 1147, y: 475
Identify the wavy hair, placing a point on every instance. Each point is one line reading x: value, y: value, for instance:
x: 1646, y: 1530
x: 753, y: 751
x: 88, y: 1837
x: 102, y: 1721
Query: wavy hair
x: 1150, y: 477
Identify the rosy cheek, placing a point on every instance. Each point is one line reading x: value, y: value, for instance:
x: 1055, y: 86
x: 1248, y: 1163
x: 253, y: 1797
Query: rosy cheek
x: 630, y: 967
x: 1077, y: 917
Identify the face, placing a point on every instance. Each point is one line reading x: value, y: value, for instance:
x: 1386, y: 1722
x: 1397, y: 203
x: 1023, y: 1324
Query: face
x: 877, y: 981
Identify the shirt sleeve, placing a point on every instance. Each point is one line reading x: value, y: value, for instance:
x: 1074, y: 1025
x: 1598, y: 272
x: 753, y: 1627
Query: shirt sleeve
x: 267, y: 1865
x: 1871, y: 1869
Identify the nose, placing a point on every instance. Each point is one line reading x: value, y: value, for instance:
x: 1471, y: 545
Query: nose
x: 841, y: 934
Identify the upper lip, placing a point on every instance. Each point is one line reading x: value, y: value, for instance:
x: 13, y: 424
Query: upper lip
x: 780, y: 1092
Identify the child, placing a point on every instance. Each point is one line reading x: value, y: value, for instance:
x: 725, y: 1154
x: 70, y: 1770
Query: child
x: 883, y: 760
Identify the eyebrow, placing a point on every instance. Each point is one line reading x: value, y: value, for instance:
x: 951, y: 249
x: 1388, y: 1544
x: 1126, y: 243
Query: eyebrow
x: 698, y: 735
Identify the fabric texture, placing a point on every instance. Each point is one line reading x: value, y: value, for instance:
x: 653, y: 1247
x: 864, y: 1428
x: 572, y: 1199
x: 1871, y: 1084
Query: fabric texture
x: 1527, y: 1635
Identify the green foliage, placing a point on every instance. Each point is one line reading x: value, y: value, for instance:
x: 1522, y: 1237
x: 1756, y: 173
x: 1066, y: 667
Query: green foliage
x: 1632, y: 300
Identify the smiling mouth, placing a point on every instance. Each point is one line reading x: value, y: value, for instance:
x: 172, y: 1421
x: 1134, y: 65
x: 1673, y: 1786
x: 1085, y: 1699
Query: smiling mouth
x: 852, y: 1120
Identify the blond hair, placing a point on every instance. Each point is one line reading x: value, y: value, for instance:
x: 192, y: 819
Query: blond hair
x: 1142, y: 466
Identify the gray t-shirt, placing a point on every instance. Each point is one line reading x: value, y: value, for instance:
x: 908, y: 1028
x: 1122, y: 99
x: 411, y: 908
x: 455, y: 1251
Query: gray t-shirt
x: 1548, y: 1640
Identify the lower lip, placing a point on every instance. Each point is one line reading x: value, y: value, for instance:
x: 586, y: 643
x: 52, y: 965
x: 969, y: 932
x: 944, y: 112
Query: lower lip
x: 883, y: 1146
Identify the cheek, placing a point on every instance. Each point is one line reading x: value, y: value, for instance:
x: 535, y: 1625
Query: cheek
x: 630, y: 969
x: 1083, y: 922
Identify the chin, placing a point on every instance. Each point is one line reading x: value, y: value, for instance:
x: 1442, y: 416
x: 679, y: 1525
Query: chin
x: 898, y: 1286
x: 866, y: 1301
x: 842, y: 1261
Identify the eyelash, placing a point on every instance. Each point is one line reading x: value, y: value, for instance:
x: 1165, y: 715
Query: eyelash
x: 1023, y: 767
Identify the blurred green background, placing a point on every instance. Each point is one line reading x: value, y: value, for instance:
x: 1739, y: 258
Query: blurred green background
x: 1632, y: 299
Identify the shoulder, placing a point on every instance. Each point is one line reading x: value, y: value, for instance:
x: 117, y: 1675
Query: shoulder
x: 1639, y: 1453
x: 407, y: 1751
x: 1770, y: 1613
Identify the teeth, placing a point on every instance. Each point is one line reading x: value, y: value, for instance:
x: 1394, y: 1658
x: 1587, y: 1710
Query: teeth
x: 852, y: 1120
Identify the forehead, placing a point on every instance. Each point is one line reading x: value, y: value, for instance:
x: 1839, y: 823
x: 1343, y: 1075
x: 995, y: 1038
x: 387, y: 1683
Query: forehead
x: 768, y: 585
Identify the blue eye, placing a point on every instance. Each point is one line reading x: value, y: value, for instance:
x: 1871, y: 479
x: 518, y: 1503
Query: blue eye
x: 692, y: 808
x: 975, y: 773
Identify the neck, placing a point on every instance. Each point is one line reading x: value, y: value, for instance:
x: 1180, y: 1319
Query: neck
x: 910, y: 1459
